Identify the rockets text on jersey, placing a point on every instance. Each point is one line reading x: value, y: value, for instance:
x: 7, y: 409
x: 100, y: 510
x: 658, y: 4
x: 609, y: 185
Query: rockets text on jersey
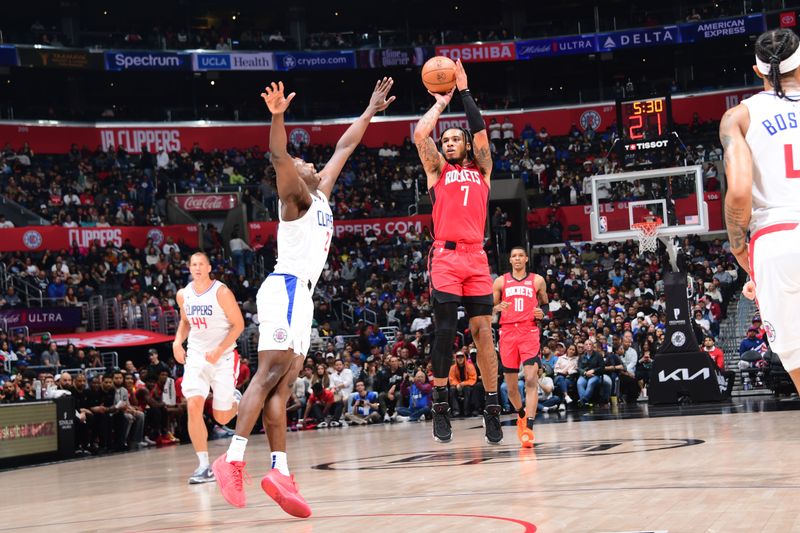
x: 520, y: 295
x: 460, y: 198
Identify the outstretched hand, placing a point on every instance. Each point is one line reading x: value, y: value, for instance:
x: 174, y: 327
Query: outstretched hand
x: 443, y: 98
x: 379, y: 101
x: 274, y: 98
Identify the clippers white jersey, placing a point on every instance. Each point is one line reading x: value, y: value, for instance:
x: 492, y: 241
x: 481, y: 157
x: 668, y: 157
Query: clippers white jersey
x: 774, y: 140
x: 303, y: 243
x: 208, y: 324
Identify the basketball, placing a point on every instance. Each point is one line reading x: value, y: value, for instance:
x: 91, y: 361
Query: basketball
x: 439, y: 74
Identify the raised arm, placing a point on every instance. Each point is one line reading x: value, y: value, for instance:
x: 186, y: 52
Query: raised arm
x: 352, y: 137
x: 480, y: 139
x: 291, y: 189
x: 739, y: 175
x: 432, y: 159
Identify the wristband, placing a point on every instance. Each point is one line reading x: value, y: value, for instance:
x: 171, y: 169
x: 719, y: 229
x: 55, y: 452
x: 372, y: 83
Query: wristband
x: 474, y: 117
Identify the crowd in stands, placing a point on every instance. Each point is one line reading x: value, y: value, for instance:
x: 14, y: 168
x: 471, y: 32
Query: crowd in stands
x: 225, y: 31
x: 606, y: 311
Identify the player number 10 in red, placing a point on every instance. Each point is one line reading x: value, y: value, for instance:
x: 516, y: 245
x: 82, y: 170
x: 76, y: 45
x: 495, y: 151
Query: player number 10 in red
x: 199, y: 322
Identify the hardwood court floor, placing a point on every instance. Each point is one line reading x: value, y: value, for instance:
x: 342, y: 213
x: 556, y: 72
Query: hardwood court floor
x: 728, y: 468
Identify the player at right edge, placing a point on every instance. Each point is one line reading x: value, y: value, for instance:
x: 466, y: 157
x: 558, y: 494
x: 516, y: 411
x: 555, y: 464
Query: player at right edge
x: 761, y: 140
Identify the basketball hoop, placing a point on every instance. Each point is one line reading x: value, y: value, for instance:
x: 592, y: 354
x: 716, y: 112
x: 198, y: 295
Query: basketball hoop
x: 647, y: 232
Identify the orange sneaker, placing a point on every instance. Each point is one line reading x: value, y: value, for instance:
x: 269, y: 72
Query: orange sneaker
x: 229, y: 478
x: 284, y: 491
x: 524, y: 433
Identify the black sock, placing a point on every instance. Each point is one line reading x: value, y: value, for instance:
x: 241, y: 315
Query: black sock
x: 491, y: 399
x: 440, y: 394
x: 521, y: 412
x: 530, y: 423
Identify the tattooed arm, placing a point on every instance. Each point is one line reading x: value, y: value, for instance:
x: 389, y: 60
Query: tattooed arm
x: 739, y: 175
x: 432, y: 159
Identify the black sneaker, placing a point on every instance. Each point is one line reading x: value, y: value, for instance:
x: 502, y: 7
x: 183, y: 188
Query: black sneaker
x: 491, y: 423
x: 442, y: 432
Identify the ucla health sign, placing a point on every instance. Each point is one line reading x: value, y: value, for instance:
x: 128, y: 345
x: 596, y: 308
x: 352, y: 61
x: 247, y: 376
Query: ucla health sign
x: 119, y: 61
x: 705, y: 30
x: 331, y: 60
x: 234, y: 61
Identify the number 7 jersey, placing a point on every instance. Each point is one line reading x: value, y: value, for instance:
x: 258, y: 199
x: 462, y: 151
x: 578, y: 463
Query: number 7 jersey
x: 774, y: 141
x: 460, y: 199
x: 208, y: 324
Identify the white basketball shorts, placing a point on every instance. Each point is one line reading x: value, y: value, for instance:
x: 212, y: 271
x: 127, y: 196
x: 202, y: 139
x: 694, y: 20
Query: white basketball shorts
x: 775, y: 269
x: 200, y: 376
x: 285, y: 313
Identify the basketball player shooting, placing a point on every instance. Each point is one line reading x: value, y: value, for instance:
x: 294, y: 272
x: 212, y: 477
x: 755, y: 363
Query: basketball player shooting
x: 759, y: 137
x: 458, y: 182
x: 285, y: 307
x: 517, y: 297
x: 212, y: 321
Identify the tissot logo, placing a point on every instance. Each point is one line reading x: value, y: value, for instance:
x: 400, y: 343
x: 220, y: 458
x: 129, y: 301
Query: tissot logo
x: 648, y: 145
x: 682, y: 374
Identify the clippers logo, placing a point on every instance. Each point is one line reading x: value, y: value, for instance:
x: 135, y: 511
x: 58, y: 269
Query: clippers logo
x: 280, y: 335
x: 591, y: 119
x: 678, y: 339
x: 157, y: 235
x: 32, y: 239
x: 299, y: 136
x: 769, y: 329
x: 648, y: 145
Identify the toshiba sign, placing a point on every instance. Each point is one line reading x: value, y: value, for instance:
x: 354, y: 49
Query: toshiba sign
x: 477, y: 52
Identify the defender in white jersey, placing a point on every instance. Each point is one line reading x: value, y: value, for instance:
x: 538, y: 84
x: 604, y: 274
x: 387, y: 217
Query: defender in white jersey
x: 761, y: 138
x: 285, y: 307
x: 212, y: 320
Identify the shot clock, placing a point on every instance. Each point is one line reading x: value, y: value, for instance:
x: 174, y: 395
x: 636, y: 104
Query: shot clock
x: 643, y: 122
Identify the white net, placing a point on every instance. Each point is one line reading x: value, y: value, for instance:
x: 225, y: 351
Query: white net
x: 648, y: 235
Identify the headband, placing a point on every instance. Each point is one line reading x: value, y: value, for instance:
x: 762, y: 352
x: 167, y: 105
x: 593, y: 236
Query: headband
x: 787, y: 65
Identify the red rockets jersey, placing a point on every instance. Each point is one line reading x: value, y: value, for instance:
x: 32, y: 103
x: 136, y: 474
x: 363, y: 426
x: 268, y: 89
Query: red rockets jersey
x: 521, y: 298
x: 460, y: 199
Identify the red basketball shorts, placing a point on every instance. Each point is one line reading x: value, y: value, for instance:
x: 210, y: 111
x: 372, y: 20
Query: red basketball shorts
x: 459, y: 271
x: 519, y: 343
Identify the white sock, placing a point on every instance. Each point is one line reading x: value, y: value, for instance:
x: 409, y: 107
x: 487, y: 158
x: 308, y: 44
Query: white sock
x: 236, y: 449
x: 203, y: 458
x: 280, y: 463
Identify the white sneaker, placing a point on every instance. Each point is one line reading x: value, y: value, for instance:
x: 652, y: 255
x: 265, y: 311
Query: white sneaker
x: 562, y: 407
x: 399, y: 418
x: 335, y: 424
x: 344, y: 424
x: 322, y: 425
x: 142, y: 444
x: 149, y: 441
x: 387, y: 418
x: 545, y: 409
x: 568, y: 399
x: 202, y: 475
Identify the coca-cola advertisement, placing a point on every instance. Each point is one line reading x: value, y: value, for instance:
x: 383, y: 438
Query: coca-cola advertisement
x: 43, y: 319
x: 39, y: 238
x: 206, y: 202
x: 56, y: 138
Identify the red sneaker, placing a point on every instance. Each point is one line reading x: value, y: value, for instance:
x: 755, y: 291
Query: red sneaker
x: 229, y: 478
x: 284, y: 491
